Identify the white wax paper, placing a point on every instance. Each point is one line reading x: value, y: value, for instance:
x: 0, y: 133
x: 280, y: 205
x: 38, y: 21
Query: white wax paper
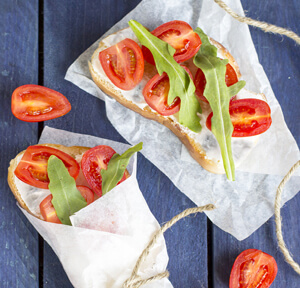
x: 105, y: 257
x: 243, y: 205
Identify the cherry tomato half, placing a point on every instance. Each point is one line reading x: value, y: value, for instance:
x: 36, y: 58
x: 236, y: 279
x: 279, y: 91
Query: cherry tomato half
x: 32, y: 169
x: 34, y: 103
x: 48, y: 211
x: 156, y: 94
x: 179, y: 35
x: 92, y: 162
x: 253, y: 268
x: 123, y: 64
x: 200, y: 81
x: 249, y: 117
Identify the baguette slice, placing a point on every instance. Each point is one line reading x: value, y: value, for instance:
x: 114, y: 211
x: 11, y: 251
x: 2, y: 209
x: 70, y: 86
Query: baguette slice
x: 196, y: 150
x: 12, y: 179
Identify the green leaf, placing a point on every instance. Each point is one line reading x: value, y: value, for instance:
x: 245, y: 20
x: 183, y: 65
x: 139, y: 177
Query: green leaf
x: 66, y: 198
x: 181, y: 85
x: 116, y: 168
x: 218, y: 95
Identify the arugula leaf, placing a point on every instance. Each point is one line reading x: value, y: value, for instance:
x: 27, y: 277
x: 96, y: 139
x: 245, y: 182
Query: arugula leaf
x: 181, y: 84
x: 66, y: 198
x: 116, y: 168
x: 218, y: 95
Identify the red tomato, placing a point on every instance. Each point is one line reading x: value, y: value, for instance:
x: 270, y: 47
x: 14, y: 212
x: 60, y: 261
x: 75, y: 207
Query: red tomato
x: 92, y: 162
x: 253, y: 268
x: 47, y: 210
x: 249, y: 117
x: 34, y: 103
x: 200, y: 81
x: 180, y: 36
x: 86, y: 193
x: 123, y: 64
x: 156, y: 94
x: 32, y: 168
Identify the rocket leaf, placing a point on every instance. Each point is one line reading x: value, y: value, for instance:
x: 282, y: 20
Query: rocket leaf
x: 181, y: 85
x: 218, y: 96
x: 66, y: 198
x: 116, y: 168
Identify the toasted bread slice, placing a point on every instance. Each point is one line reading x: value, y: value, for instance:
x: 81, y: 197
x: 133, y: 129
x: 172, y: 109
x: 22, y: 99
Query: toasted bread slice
x: 187, y: 137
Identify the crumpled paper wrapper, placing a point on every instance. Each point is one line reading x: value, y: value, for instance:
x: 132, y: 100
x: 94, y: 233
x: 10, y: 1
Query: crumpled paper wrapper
x: 243, y: 205
x: 108, y: 236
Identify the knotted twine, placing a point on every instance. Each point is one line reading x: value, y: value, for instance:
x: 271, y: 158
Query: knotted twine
x: 135, y: 281
x: 262, y: 25
x: 281, y: 244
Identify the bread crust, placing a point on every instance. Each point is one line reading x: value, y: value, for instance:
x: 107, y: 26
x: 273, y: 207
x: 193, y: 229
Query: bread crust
x: 72, y: 151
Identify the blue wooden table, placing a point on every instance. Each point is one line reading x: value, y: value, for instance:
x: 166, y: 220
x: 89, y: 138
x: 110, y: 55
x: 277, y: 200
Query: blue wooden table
x: 38, y: 42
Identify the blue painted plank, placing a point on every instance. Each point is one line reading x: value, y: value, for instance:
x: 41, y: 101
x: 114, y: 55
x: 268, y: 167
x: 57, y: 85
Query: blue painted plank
x: 280, y: 58
x: 18, y: 65
x: 69, y: 30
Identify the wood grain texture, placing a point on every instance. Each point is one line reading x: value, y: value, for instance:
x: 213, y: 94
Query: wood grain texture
x: 18, y: 66
x: 75, y: 28
x: 280, y: 58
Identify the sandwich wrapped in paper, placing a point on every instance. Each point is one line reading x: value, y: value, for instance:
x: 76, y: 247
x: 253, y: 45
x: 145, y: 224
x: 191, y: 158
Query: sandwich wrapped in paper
x: 107, y: 237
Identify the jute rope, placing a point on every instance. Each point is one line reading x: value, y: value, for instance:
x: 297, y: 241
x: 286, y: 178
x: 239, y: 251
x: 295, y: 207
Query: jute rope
x: 281, y: 244
x: 262, y: 25
x: 135, y: 281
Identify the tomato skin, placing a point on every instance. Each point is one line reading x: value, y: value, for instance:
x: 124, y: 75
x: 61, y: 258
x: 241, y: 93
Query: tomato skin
x: 32, y: 169
x: 156, y: 93
x: 200, y: 81
x: 249, y: 117
x: 92, y: 162
x: 34, y: 103
x: 179, y: 35
x: 86, y: 193
x: 123, y: 64
x: 253, y: 268
x: 47, y: 210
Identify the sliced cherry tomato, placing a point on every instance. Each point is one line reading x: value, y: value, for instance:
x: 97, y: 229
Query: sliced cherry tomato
x: 253, y: 268
x: 156, y: 94
x: 32, y: 169
x: 86, y: 193
x: 179, y: 35
x: 200, y: 81
x: 123, y: 64
x: 249, y: 117
x: 34, y: 103
x: 47, y: 210
x: 92, y: 162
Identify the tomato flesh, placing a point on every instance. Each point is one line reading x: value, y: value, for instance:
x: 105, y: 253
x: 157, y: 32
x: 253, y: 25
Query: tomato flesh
x: 249, y: 117
x: 92, y: 162
x: 47, y: 210
x: 200, y: 81
x: 34, y: 103
x: 180, y: 36
x: 123, y: 64
x: 253, y: 269
x: 86, y: 193
x: 32, y: 168
x: 156, y: 94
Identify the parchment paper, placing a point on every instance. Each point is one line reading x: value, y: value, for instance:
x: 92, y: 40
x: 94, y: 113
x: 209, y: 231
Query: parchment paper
x: 108, y: 236
x: 243, y: 205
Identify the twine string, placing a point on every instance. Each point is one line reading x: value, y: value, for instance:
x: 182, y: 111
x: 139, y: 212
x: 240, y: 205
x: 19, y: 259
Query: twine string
x: 135, y: 281
x: 287, y: 255
x: 259, y: 24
